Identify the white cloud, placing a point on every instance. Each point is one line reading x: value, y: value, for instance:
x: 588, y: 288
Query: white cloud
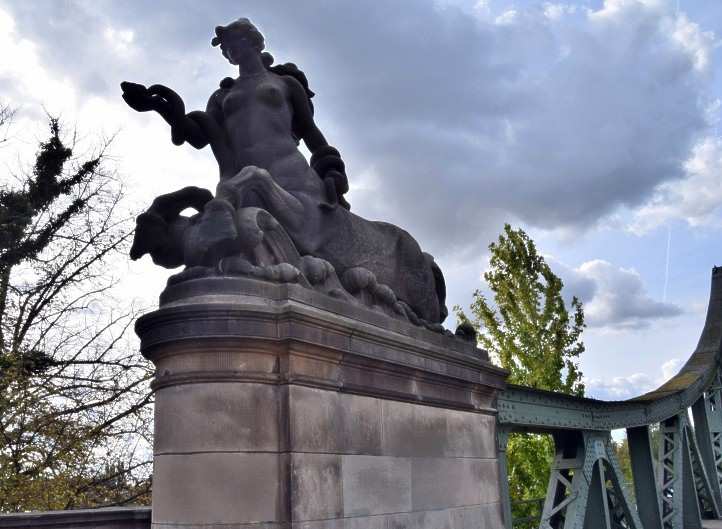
x: 698, y: 43
x: 470, y: 116
x: 556, y: 11
x: 627, y: 387
x: 34, y: 89
x: 614, y: 297
x: 671, y: 368
x: 120, y: 40
x: 619, y: 388
x: 22, y: 74
x: 552, y: 117
x: 696, y: 199
x: 555, y: 117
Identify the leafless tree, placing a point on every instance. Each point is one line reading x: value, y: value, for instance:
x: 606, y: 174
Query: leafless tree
x: 74, y: 393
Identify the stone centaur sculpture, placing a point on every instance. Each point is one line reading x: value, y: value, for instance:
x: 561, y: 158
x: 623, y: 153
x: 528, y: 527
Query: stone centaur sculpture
x: 274, y: 216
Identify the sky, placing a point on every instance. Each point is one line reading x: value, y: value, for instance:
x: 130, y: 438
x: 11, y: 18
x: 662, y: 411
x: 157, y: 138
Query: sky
x: 592, y: 125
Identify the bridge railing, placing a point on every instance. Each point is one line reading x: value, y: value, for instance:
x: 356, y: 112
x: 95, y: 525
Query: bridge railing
x: 675, y: 486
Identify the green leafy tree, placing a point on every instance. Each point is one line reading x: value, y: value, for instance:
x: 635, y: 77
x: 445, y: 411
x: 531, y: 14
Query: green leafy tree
x: 529, y: 331
x: 621, y: 452
x: 74, y: 396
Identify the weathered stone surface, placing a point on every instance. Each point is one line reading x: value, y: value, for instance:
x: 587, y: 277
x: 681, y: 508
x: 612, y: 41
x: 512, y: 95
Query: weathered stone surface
x: 234, y: 417
x: 294, y: 339
x: 316, y: 486
x: 367, y: 522
x: 491, y: 515
x: 440, y: 519
x: 356, y: 422
x: 361, y: 424
x: 474, y: 517
x: 218, y: 356
x: 439, y: 483
x: 489, y: 490
x: 271, y: 415
x: 252, y: 525
x: 216, y: 488
x: 437, y: 432
x: 376, y: 485
x: 320, y: 524
x: 470, y: 434
x: 398, y: 521
x: 311, y: 411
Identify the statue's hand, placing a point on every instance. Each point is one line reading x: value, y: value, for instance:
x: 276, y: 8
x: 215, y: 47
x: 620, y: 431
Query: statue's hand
x: 162, y: 100
x: 327, y: 163
x: 139, y: 98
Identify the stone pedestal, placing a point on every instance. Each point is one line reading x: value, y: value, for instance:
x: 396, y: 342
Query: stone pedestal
x: 277, y: 407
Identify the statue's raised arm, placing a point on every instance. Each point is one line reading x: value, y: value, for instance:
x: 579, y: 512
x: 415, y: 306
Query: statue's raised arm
x: 197, y: 128
x: 276, y: 215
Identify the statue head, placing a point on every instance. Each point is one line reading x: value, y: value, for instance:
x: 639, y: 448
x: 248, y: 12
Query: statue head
x: 238, y: 37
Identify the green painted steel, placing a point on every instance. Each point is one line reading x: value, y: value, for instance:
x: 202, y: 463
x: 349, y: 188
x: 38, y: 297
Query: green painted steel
x: 585, y: 487
x: 646, y: 491
x: 713, y: 409
x: 703, y: 438
x: 536, y: 410
x: 502, y: 440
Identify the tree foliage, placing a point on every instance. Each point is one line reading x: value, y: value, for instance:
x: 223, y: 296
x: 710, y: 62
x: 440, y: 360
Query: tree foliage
x: 73, y: 395
x: 621, y: 452
x: 529, y: 331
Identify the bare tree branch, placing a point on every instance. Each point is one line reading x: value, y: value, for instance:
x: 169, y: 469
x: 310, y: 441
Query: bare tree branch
x: 75, y: 400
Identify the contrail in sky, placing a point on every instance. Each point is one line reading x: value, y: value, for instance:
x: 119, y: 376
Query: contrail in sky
x: 666, y: 269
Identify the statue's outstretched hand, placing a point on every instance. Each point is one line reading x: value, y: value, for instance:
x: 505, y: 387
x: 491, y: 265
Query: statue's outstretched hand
x: 138, y: 97
x: 163, y: 100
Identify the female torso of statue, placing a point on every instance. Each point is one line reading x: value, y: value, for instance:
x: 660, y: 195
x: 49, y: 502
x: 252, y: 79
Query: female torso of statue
x: 256, y: 113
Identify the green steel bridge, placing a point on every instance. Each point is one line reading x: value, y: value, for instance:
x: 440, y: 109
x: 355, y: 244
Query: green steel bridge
x: 676, y: 486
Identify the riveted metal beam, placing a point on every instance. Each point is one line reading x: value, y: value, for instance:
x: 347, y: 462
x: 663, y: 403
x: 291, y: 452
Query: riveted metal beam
x: 502, y: 441
x: 585, y: 487
x: 703, y: 456
x: 534, y: 410
x: 679, y: 501
x: 645, y: 484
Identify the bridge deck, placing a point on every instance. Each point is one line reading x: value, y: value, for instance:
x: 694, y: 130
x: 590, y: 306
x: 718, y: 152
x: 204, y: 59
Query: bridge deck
x: 712, y: 524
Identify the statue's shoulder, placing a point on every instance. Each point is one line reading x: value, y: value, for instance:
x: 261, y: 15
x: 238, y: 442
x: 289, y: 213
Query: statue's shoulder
x: 217, y: 97
x: 226, y: 83
x: 293, y: 75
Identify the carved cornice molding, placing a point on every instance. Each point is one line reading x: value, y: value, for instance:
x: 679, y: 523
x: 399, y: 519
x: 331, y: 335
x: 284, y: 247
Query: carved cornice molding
x: 243, y: 330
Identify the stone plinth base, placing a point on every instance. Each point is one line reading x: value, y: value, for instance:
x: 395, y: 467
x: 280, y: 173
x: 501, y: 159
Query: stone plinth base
x: 277, y: 407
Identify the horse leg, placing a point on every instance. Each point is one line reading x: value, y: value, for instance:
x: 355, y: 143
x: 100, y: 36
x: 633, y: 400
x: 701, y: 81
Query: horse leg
x: 170, y: 205
x: 160, y: 230
x: 251, y: 182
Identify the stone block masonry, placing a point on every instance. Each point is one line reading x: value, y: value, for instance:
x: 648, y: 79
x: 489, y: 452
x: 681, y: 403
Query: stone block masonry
x: 278, y: 407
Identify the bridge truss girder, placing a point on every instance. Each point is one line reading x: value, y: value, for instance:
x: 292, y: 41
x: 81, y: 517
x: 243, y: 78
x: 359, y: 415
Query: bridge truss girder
x: 674, y: 489
x: 585, y: 487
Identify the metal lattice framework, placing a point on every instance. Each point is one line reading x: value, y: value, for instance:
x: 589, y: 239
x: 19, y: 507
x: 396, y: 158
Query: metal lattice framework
x: 676, y: 486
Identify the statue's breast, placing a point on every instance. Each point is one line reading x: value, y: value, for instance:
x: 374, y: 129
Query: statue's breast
x: 270, y: 94
x: 266, y: 93
x: 234, y: 100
